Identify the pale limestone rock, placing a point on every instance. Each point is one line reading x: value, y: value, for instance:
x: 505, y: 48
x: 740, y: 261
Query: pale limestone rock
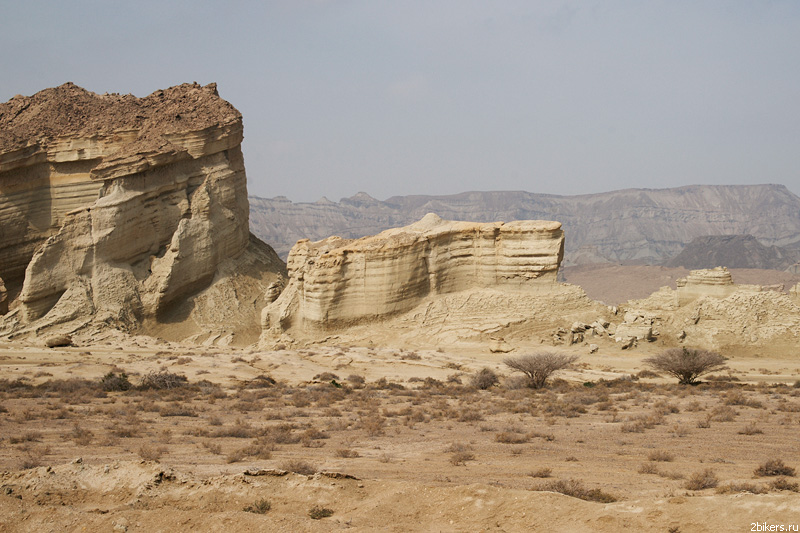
x: 337, y: 282
x: 124, y: 217
x: 794, y: 292
x: 715, y: 282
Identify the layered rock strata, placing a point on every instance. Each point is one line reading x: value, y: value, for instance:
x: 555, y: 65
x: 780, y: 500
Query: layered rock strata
x: 336, y: 282
x: 716, y: 282
x: 115, y: 207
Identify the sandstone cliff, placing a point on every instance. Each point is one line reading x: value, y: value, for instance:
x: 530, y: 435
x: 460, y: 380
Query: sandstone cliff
x: 447, y: 281
x: 115, y: 209
x: 634, y: 225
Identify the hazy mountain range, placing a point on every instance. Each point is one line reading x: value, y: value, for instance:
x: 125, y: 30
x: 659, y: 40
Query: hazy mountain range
x: 642, y: 226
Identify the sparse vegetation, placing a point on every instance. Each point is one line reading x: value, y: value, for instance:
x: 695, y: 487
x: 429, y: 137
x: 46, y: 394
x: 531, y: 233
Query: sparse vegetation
x: 706, y: 479
x: 258, y: 507
x: 539, y: 366
x: 484, y: 379
x: 317, y: 512
x: 774, y: 467
x: 686, y: 364
x: 576, y: 489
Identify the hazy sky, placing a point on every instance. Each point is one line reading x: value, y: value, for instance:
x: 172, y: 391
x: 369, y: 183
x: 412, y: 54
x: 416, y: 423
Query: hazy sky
x: 440, y: 97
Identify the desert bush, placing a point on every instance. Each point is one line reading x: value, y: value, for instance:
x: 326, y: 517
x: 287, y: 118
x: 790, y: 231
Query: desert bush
x: 318, y: 512
x: 735, y: 488
x: 112, y: 382
x: 706, y: 479
x: 162, y: 380
x: 511, y: 437
x: 774, y: 467
x: 258, y: 507
x: 660, y: 455
x: 575, y: 488
x: 484, y: 379
x: 540, y: 366
x: 541, y: 472
x: 347, y: 453
x: 686, y: 364
x: 461, y: 458
x: 782, y: 483
x: 751, y: 429
x: 81, y: 436
x: 298, y: 467
x: 151, y: 453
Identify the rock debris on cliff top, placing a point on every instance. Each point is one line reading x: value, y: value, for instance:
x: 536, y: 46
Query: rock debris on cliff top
x: 71, y: 111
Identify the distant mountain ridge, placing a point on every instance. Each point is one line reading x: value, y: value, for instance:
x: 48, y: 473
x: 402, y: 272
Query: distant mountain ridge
x: 647, y: 226
x: 733, y: 251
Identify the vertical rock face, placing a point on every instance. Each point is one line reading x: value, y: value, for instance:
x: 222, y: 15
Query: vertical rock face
x: 3, y: 298
x: 117, y: 207
x: 337, y: 282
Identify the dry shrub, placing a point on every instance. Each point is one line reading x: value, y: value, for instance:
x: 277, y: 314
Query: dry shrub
x: 686, y: 364
x: 510, y: 437
x: 575, y: 489
x: 162, y: 380
x: 461, y: 458
x: 298, y: 467
x: 115, y: 382
x: 541, y: 472
x: 258, y: 507
x: 648, y: 468
x: 540, y: 366
x: 317, y: 512
x: 706, y: 479
x: 347, y: 453
x: 660, y: 455
x: 151, y: 453
x: 774, y: 467
x: 213, y: 447
x: 484, y: 379
x: 735, y: 488
x: 750, y: 429
x: 81, y: 436
x: 782, y: 483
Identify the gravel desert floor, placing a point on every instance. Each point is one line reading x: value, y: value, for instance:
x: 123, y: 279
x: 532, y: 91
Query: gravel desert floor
x: 144, y: 435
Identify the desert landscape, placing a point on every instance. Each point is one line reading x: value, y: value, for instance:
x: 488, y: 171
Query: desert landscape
x: 165, y: 369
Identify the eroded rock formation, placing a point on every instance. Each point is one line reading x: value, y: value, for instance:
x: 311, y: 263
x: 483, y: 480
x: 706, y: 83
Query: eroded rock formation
x: 116, y: 208
x: 711, y: 311
x: 716, y: 282
x: 471, y: 276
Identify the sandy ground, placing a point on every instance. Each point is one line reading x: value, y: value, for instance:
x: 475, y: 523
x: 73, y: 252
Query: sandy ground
x: 422, y: 452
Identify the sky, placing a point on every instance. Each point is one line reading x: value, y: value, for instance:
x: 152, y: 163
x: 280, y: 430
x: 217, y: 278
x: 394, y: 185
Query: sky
x: 439, y: 97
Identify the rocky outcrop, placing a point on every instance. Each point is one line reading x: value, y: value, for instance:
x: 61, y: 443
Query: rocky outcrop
x: 633, y: 225
x: 116, y: 209
x: 338, y: 282
x: 711, y: 311
x: 715, y: 282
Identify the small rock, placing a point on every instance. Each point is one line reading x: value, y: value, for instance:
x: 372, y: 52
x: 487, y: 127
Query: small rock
x: 593, y: 348
x: 58, y: 340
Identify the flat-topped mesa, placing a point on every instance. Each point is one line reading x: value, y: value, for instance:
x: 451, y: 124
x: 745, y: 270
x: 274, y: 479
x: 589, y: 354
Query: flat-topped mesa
x: 117, y: 205
x: 715, y: 282
x: 336, y: 281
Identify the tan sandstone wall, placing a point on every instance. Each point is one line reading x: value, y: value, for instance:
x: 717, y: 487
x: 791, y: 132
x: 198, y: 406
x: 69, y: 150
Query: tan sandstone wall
x: 122, y: 209
x: 337, y: 281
